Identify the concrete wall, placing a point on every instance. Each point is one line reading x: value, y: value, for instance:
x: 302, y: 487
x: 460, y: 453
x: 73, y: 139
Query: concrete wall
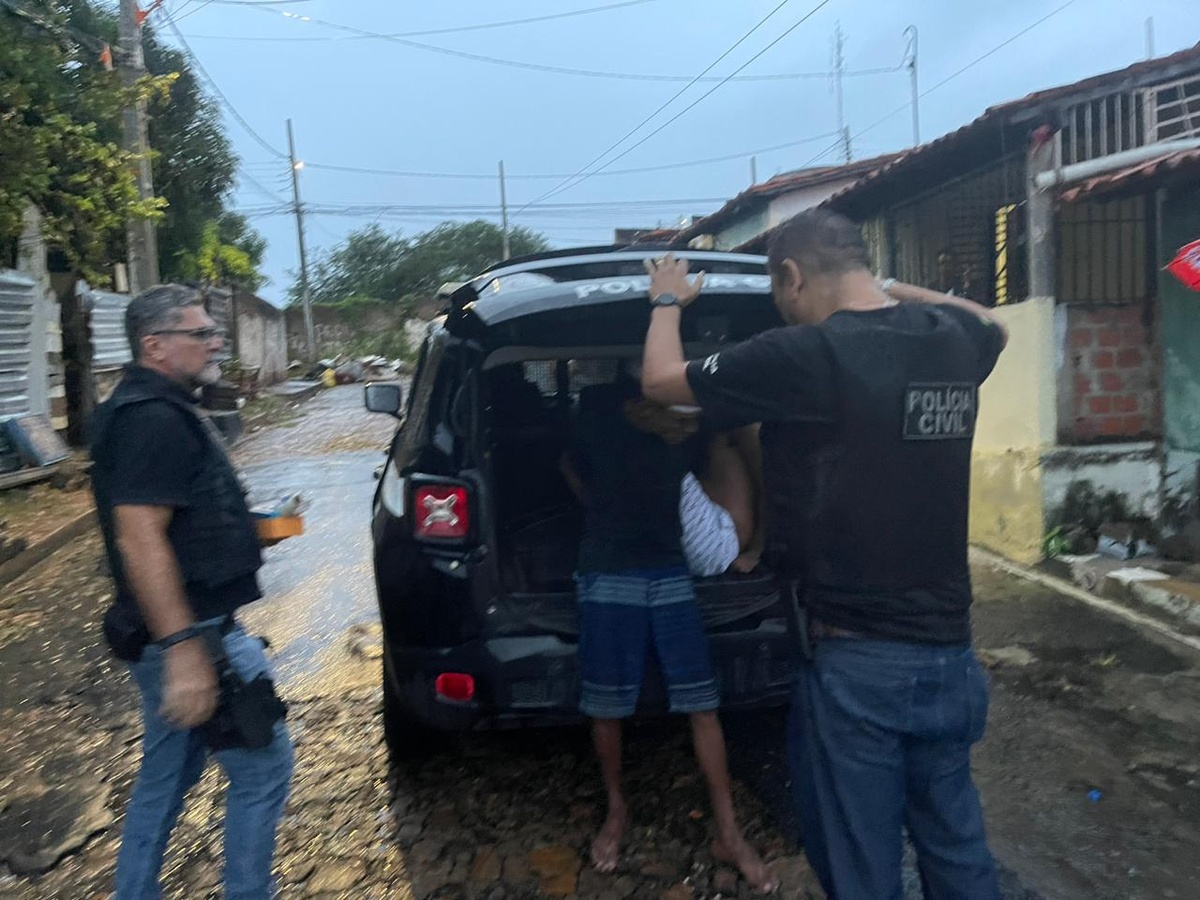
x: 1016, y: 426
x: 748, y: 225
x: 1110, y: 374
x: 768, y: 213
x: 334, y: 327
x: 787, y: 205
x: 1133, y: 470
x: 260, y: 337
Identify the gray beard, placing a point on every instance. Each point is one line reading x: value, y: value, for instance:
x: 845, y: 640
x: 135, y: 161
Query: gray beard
x: 210, y: 375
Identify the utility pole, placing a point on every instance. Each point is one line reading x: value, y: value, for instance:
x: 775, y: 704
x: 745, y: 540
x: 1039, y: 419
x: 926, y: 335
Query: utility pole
x: 305, y: 292
x: 911, y: 61
x: 839, y: 72
x: 753, y: 171
x: 507, y: 251
x: 140, y: 236
x: 1150, y: 38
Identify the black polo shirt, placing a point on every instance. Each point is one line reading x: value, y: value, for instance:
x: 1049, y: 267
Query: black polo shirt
x: 151, y: 456
x: 866, y: 439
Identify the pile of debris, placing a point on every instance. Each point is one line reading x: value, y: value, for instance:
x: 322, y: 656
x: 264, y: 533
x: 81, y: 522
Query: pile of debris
x: 344, y: 369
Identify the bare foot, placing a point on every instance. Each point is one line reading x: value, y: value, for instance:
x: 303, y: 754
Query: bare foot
x: 736, y: 852
x: 606, y: 848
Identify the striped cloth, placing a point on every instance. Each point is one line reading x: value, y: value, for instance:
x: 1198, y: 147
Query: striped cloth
x: 710, y: 539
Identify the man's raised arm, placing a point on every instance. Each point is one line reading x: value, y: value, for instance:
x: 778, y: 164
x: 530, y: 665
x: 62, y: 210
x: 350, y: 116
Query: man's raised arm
x: 664, y: 368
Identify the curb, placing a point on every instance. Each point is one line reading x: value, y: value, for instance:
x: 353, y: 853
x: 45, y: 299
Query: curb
x: 986, y: 557
x: 46, y: 547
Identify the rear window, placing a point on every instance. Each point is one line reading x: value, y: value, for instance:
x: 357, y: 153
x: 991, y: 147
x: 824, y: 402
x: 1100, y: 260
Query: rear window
x: 543, y: 373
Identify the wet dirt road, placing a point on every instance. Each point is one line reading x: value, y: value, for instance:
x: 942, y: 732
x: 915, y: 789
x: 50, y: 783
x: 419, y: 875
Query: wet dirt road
x: 1081, y: 703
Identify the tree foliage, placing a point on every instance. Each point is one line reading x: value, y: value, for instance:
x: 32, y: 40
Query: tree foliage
x: 60, y: 134
x: 60, y: 140
x: 375, y: 265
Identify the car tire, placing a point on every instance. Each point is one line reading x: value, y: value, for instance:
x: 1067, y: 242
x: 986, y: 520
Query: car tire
x: 408, y: 741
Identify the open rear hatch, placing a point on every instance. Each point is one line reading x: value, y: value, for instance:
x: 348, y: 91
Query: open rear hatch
x: 538, y: 323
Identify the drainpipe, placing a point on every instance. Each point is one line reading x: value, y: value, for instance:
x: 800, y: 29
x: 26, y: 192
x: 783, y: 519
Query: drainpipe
x: 1078, y: 171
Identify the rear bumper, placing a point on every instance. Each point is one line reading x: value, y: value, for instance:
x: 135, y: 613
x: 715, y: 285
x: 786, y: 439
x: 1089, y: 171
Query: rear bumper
x: 535, y: 679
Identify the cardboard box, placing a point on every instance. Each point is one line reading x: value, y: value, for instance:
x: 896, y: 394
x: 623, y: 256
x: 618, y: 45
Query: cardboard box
x: 276, y: 528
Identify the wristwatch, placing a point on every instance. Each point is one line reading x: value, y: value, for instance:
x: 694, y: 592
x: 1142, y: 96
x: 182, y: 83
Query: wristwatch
x: 664, y: 300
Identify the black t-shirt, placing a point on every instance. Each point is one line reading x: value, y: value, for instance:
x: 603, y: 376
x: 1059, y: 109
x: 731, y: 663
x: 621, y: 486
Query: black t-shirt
x: 156, y: 456
x: 633, y: 481
x: 871, y: 518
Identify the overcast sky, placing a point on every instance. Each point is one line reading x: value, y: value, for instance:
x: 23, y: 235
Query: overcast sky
x: 375, y: 103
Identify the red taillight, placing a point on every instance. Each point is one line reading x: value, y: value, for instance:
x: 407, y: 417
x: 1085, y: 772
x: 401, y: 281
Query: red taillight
x: 441, y: 512
x: 455, y: 686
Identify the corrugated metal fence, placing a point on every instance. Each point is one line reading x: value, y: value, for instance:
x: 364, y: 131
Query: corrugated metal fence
x: 109, y: 345
x: 17, y: 295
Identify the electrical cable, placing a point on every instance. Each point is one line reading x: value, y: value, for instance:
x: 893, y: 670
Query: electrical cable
x: 478, y: 176
x: 564, y: 70
x: 433, y: 31
x: 229, y: 107
x: 576, y: 180
x: 1024, y: 31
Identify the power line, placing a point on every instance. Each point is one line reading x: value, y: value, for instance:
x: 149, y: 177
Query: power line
x: 479, y: 176
x: 254, y: 183
x: 576, y: 179
x: 333, y: 205
x: 565, y: 70
x: 551, y: 210
x: 229, y: 107
x: 179, y: 15
x: 761, y: 22
x: 1024, y: 31
x: 455, y: 30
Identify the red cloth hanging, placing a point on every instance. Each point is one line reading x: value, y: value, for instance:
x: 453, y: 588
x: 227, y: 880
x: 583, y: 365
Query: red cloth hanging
x: 1186, y: 265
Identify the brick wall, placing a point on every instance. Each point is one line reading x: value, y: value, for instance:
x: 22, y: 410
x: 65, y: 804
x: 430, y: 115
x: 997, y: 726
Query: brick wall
x: 1114, y: 375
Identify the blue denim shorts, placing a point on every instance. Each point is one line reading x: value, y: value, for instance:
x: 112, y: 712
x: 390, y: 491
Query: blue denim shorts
x: 624, y: 617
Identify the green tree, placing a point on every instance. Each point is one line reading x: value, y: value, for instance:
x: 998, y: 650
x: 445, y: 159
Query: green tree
x: 193, y: 164
x: 60, y: 132
x: 375, y: 265
x: 59, y: 139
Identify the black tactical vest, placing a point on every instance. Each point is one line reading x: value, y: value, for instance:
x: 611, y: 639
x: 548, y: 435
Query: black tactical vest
x: 878, y: 532
x: 214, y: 537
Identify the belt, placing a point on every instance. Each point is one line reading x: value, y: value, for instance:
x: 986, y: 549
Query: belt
x: 818, y: 630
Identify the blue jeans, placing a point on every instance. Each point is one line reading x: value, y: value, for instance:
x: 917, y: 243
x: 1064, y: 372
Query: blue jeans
x: 880, y: 740
x: 173, y: 760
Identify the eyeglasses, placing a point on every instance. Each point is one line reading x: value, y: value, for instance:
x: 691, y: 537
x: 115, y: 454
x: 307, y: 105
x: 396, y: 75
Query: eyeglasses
x: 199, y: 334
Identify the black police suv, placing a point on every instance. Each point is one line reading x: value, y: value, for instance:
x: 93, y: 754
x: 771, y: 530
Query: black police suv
x: 476, y: 533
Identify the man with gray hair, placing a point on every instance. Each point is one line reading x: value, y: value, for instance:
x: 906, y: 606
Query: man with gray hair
x: 184, y: 554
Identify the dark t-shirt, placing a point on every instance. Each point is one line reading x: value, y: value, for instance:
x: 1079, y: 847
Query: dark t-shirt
x: 633, y: 483
x: 865, y: 512
x: 156, y: 455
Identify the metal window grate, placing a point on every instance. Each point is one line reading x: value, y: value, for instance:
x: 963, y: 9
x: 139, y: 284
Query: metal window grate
x: 1103, y: 126
x: 1173, y: 109
x: 1102, y: 252
x: 958, y: 220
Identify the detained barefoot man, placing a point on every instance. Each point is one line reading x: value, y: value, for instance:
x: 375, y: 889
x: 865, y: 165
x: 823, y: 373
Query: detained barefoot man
x: 635, y: 598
